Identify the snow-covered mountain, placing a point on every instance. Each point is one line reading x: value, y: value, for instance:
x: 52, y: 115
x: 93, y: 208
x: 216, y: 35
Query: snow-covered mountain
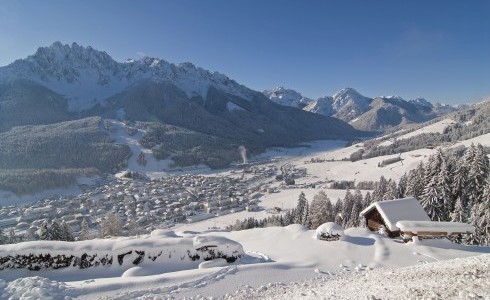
x: 287, y: 97
x: 348, y: 104
x: 212, y: 115
x: 363, y: 112
x: 322, y: 106
x: 86, y: 76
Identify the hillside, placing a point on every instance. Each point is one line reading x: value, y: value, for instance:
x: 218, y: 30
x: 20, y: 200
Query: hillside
x: 47, y: 98
x: 33, y: 158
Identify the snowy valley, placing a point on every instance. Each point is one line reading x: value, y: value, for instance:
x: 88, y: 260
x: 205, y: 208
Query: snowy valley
x: 145, y: 179
x: 291, y: 261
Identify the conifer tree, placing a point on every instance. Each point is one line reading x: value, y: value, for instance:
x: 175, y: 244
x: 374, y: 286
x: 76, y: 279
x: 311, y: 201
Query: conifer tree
x: 111, y: 225
x: 444, y: 187
x: 459, y: 213
x: 84, y: 231
x: 3, y: 238
x: 12, y: 239
x: 402, y: 186
x: 337, y: 211
x: 306, y: 216
x: 354, y: 219
x: 367, y: 200
x: 391, y: 191
x: 44, y: 231
x: 318, y: 210
x: 330, y: 211
x: 483, y: 212
x: 67, y: 234
x: 346, y: 211
x: 458, y: 183
x: 380, y: 189
x: 300, y: 209
x: 55, y: 231
x: 30, y: 235
x: 431, y: 201
x: 415, y: 182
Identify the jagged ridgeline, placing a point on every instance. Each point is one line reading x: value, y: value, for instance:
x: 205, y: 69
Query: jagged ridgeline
x: 36, y: 157
x: 189, y: 114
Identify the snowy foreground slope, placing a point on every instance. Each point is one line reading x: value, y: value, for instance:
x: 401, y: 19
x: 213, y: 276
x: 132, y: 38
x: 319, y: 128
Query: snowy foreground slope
x: 274, y: 259
x: 466, y: 278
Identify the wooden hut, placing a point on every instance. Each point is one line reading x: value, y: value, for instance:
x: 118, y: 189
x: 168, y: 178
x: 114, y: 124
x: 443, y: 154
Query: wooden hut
x: 388, y: 213
x: 407, y: 217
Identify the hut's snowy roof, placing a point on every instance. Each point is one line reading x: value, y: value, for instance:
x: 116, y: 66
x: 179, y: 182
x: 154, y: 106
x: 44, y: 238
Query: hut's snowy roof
x: 428, y: 226
x: 396, y: 210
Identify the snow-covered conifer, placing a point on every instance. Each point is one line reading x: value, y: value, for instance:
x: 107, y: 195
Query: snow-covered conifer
x: 356, y: 209
x: 3, y: 237
x: 444, y: 187
x: 44, y: 231
x: 330, y: 211
x: 306, y: 216
x: 483, y: 212
x: 12, y: 239
x: 402, y: 186
x: 367, y: 200
x: 84, y: 231
x: 391, y: 191
x: 459, y: 213
x: 55, y: 231
x: 300, y: 209
x: 431, y: 201
x: 346, y: 211
x: 318, y: 210
x: 67, y: 234
x: 111, y: 225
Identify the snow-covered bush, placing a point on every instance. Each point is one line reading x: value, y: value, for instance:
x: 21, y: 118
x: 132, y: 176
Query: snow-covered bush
x: 175, y: 253
x: 329, y: 231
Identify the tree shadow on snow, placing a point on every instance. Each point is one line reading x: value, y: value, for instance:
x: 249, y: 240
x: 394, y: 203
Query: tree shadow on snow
x: 358, y: 240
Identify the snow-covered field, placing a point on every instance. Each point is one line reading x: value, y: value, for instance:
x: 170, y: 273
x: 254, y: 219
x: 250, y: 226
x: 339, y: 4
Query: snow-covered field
x: 465, y: 278
x: 275, y: 258
x: 437, y: 127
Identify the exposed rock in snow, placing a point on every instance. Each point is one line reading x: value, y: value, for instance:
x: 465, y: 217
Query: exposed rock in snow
x: 287, y: 97
x: 321, y: 106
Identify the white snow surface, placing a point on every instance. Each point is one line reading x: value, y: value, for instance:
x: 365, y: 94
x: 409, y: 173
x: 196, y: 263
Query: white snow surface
x: 393, y: 211
x: 466, y: 278
x: 424, y: 226
x: 275, y: 254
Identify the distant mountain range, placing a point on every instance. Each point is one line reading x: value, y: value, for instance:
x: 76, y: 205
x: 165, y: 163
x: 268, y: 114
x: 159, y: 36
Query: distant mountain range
x: 362, y: 112
x: 190, y: 114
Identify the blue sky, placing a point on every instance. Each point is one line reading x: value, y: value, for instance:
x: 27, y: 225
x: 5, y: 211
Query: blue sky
x: 439, y: 50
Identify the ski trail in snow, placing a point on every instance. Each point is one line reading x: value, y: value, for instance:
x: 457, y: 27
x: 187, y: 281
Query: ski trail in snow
x: 174, y: 289
x: 120, y: 136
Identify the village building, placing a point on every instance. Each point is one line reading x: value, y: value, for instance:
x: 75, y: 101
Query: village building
x: 406, y: 217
